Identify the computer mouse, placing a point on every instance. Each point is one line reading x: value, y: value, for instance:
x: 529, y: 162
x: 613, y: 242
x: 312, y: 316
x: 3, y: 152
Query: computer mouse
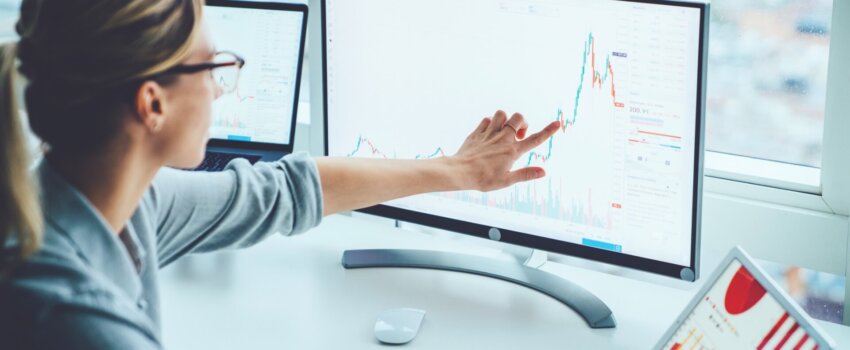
x: 398, y: 326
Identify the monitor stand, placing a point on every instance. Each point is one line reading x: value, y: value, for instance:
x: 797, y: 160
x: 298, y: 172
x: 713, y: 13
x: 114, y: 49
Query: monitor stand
x: 583, y: 302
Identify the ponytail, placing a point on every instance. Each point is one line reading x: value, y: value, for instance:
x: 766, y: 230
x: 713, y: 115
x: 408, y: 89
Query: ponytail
x: 20, y: 213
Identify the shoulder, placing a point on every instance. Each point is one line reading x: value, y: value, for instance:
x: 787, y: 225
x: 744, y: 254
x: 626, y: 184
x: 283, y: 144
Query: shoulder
x: 53, y: 278
x: 51, y: 295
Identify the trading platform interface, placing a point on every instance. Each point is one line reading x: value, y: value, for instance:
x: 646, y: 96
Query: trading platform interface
x: 261, y: 109
x: 411, y: 79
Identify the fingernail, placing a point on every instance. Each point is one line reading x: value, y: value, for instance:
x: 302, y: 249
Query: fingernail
x: 540, y: 173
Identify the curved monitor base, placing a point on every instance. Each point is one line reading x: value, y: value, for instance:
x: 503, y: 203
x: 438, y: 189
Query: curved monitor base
x: 587, y: 305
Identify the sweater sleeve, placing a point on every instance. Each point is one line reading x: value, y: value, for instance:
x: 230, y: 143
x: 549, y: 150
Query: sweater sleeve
x: 234, y: 208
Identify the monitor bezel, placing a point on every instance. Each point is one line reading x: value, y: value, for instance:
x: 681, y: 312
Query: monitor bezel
x: 303, y: 9
x: 688, y: 273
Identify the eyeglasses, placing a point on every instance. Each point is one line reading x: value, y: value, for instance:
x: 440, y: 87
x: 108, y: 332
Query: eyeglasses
x: 225, y: 69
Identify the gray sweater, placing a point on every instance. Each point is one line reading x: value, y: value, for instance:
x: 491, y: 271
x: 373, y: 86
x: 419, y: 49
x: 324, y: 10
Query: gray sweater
x: 88, y: 288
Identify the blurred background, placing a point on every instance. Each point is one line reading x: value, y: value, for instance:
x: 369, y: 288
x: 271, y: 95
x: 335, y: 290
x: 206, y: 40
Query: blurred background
x: 768, y: 62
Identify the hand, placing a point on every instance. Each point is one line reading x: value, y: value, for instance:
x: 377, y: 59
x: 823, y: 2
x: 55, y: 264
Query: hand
x: 489, y: 153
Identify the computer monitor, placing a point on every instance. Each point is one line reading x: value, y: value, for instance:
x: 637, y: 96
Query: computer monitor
x: 270, y: 37
x: 411, y: 79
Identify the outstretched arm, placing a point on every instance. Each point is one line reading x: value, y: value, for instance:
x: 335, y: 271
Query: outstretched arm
x: 482, y: 163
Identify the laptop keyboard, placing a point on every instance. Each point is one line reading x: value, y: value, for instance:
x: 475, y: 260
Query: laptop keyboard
x: 216, y: 161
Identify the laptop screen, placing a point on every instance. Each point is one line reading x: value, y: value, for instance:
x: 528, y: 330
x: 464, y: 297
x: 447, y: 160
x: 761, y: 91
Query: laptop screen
x: 738, y: 312
x: 262, y: 108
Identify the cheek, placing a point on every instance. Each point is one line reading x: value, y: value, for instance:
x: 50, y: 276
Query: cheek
x: 192, y: 116
x: 199, y: 111
x: 210, y: 94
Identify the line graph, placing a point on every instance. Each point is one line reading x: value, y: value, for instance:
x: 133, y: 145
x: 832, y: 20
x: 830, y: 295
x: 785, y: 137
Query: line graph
x: 231, y: 111
x: 598, y: 81
x: 438, y: 152
x: 372, y: 148
x: 545, y: 200
x: 534, y: 156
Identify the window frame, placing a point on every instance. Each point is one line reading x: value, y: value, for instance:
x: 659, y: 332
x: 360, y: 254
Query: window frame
x: 836, y: 139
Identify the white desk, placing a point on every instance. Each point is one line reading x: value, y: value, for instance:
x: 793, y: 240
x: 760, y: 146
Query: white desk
x: 292, y: 293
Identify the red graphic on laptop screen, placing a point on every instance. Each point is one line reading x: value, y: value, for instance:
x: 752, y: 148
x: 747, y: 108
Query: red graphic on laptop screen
x: 743, y: 293
x: 783, y: 339
x: 738, y: 313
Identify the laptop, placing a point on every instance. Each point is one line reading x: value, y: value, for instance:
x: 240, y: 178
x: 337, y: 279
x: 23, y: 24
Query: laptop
x: 740, y: 307
x: 257, y: 120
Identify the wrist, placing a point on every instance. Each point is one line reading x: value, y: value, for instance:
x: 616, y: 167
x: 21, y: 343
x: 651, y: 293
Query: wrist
x: 454, y: 172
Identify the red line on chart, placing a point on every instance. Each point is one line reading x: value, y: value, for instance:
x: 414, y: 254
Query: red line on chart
x: 659, y: 134
x: 375, y: 151
x: 599, y: 78
x: 372, y: 147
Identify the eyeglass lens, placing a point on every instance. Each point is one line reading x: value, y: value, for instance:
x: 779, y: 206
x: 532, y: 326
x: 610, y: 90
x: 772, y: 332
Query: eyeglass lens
x: 227, y: 76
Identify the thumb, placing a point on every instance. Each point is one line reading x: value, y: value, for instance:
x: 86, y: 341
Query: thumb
x: 526, y: 174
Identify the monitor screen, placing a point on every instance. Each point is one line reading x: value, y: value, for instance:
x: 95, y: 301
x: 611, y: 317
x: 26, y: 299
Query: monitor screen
x: 738, y: 312
x: 262, y: 109
x: 411, y: 79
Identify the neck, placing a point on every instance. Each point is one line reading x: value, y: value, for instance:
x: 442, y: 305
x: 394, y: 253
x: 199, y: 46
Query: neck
x: 113, y: 182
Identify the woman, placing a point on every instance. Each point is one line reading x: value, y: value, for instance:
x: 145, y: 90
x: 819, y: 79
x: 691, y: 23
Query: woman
x: 120, y: 92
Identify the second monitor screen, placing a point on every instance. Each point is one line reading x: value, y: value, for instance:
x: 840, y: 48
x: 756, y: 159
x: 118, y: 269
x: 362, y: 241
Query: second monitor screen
x: 411, y: 79
x: 261, y: 109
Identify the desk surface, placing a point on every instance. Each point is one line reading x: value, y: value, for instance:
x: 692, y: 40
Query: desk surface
x: 292, y: 292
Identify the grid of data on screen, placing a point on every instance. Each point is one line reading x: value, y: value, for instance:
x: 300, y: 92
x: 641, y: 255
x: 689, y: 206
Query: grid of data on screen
x: 260, y: 110
x: 411, y: 79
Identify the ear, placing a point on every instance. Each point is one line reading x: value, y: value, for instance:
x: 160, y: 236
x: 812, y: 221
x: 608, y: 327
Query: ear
x: 150, y: 105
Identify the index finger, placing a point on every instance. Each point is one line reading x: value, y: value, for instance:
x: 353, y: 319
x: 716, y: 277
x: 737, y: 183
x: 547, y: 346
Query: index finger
x: 538, y: 138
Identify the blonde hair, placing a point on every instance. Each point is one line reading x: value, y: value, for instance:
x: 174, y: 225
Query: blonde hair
x: 83, y: 61
x: 20, y: 213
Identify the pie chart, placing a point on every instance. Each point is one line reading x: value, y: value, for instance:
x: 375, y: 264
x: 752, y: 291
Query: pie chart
x: 743, y: 293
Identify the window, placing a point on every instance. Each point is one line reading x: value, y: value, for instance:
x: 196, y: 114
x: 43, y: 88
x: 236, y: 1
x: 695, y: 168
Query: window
x: 8, y: 15
x: 767, y: 78
x: 820, y: 294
